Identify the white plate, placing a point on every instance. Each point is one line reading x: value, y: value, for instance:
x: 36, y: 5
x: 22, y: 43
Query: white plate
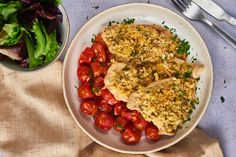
x: 143, y: 13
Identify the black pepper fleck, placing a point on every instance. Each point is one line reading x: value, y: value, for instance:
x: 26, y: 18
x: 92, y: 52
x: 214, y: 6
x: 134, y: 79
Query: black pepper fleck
x: 96, y: 7
x: 222, y: 99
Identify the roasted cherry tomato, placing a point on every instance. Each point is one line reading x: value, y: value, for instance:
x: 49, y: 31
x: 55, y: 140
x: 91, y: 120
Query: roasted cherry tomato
x: 89, y: 107
x: 85, y: 91
x: 104, y: 106
x: 99, y: 39
x: 119, y: 107
x: 141, y: 124
x: 151, y: 132
x: 120, y: 124
x: 84, y: 73
x: 86, y: 56
x: 132, y: 115
x: 98, y: 85
x: 131, y: 135
x: 99, y: 52
x: 99, y: 68
x: 104, y: 121
x: 108, y: 97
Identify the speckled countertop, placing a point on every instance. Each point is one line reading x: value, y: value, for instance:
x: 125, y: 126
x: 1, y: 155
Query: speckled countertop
x: 219, y: 121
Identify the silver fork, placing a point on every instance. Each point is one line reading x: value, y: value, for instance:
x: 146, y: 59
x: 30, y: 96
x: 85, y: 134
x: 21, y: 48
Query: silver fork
x: 193, y: 12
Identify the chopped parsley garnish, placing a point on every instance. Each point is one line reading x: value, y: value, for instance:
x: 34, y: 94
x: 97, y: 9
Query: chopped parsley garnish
x: 174, y: 38
x: 163, y: 22
x: 222, y: 99
x: 128, y: 21
x: 134, y: 53
x: 93, y: 38
x: 111, y: 22
x: 188, y: 74
x: 183, y: 47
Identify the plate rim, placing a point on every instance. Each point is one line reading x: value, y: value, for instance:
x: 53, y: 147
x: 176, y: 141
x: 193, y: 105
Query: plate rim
x: 207, y: 99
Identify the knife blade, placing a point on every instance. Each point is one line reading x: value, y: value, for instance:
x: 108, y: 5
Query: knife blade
x: 215, y: 10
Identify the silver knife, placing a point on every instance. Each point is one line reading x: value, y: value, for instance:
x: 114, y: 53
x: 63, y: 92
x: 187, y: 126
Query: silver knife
x: 215, y: 10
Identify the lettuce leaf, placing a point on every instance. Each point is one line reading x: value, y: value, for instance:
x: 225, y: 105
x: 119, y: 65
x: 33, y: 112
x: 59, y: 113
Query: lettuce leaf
x: 54, y: 48
x: 40, y: 39
x: 10, y: 34
x: 9, y: 9
x: 44, y: 48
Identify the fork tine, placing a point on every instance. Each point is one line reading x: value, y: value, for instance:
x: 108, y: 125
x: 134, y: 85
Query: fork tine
x: 178, y: 5
x: 183, y: 3
x: 187, y: 2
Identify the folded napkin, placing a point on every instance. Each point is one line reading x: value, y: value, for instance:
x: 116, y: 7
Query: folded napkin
x: 35, y: 122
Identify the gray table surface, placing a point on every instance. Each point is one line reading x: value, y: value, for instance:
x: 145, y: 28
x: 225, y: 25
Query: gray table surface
x: 219, y: 121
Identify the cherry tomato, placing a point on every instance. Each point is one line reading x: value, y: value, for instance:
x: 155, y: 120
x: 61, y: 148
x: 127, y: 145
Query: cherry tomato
x: 99, y: 39
x: 89, y: 107
x: 86, y: 56
x: 132, y: 115
x: 85, y: 91
x: 84, y: 73
x: 104, y: 121
x: 141, y: 124
x: 131, y: 135
x: 99, y: 52
x: 120, y: 124
x: 99, y: 68
x: 104, y: 106
x: 151, y: 132
x: 108, y: 97
x: 119, y: 107
x: 98, y: 85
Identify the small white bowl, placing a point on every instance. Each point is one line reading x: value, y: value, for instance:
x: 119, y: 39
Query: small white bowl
x: 63, y: 28
x: 148, y: 14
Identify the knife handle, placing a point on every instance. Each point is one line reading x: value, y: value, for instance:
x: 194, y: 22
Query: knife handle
x: 228, y: 18
x: 220, y: 32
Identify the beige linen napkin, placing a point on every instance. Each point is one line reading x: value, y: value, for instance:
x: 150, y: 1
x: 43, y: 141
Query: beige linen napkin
x: 35, y: 122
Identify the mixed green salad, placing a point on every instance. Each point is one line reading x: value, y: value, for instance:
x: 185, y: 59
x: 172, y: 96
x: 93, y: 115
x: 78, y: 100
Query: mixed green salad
x: 28, y: 31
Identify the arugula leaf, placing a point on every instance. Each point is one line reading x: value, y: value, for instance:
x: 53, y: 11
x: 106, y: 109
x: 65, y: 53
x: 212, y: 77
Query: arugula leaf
x: 10, y: 35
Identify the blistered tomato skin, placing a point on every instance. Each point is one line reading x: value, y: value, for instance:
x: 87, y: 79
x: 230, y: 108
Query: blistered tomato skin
x: 118, y: 108
x: 104, y: 121
x: 131, y: 135
x: 120, y: 124
x: 99, y: 68
x: 104, y: 106
x: 99, y: 39
x: 85, y: 91
x: 141, y: 124
x: 152, y: 132
x: 99, y: 51
x: 84, y: 73
x: 132, y: 115
x: 89, y: 107
x: 108, y: 97
x: 98, y: 85
x: 86, y: 56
